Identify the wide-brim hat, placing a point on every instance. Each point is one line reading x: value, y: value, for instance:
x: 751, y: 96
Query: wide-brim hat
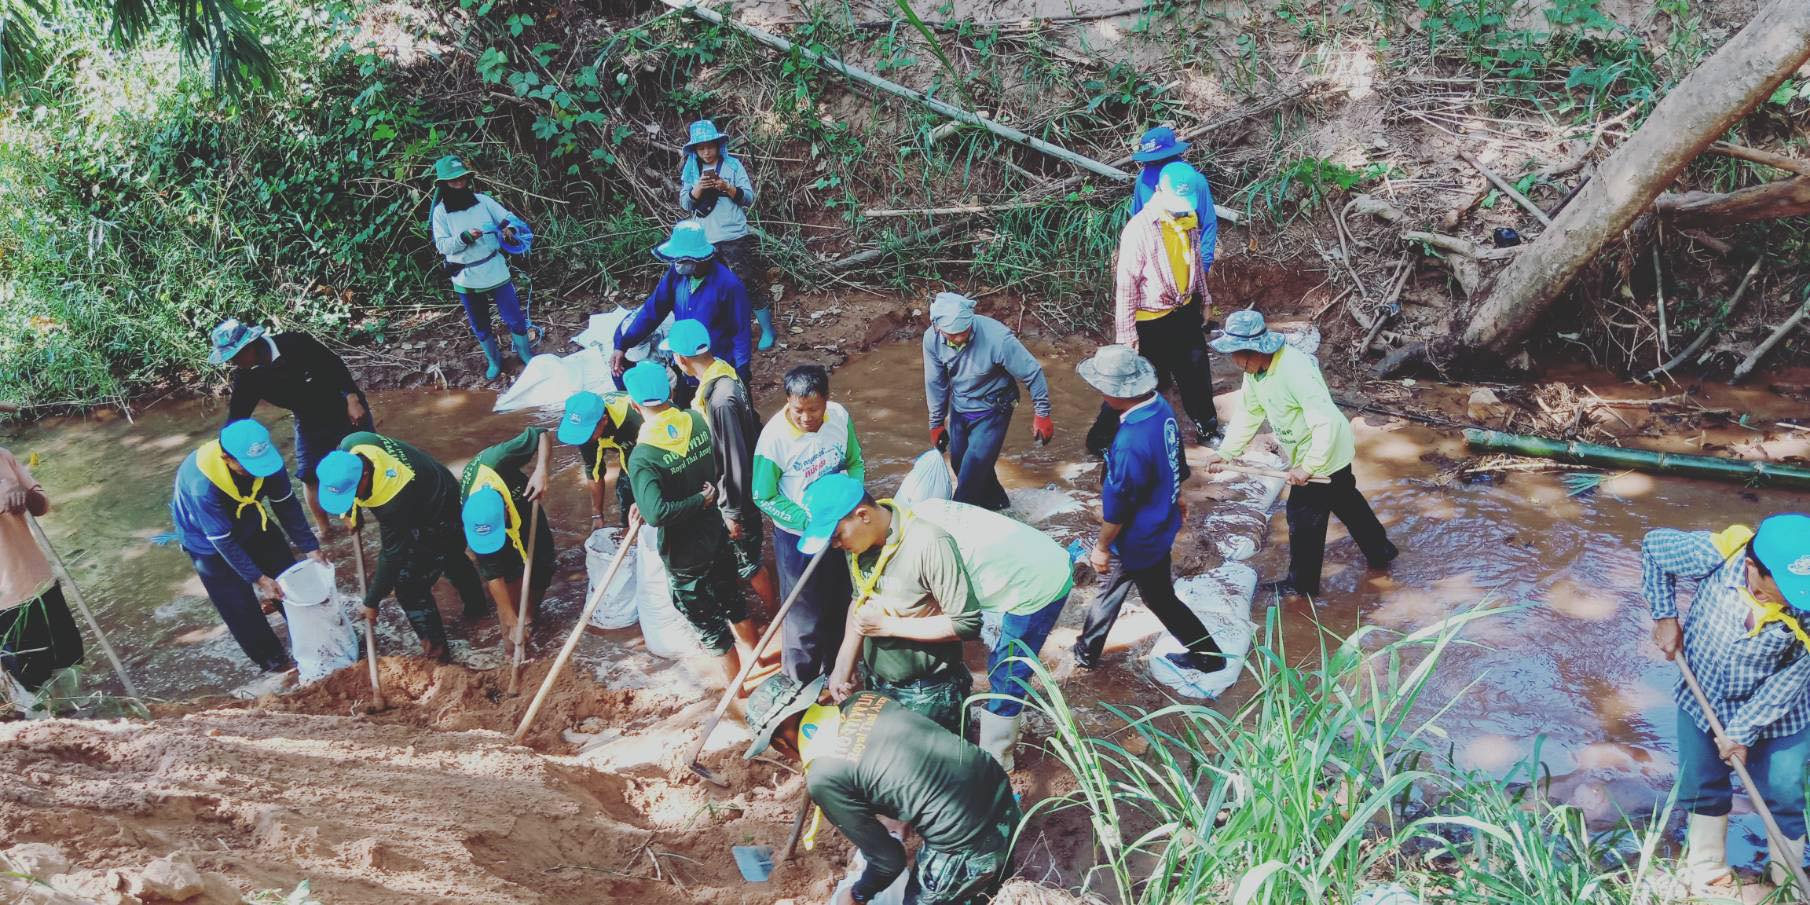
x: 450, y: 167
x: 1782, y: 545
x: 1160, y: 143
x: 229, y: 338
x: 1245, y: 331
x: 687, y: 243
x: 703, y: 132
x: 1118, y: 371
x: 775, y: 701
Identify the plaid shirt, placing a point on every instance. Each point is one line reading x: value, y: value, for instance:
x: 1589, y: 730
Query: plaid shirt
x: 1758, y: 684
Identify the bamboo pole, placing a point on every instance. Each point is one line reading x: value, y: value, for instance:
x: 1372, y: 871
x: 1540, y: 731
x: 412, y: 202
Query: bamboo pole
x: 521, y: 608
x: 75, y: 596
x: 1638, y: 459
x: 584, y: 618
x: 358, y: 556
x: 1256, y: 472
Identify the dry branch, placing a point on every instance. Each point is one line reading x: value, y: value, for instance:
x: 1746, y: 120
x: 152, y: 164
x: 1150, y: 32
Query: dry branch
x: 1507, y: 188
x: 1776, y: 161
x: 1772, y: 201
x: 1753, y: 358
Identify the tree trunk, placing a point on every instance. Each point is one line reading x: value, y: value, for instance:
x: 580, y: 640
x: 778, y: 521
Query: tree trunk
x: 1772, y: 201
x: 1732, y: 81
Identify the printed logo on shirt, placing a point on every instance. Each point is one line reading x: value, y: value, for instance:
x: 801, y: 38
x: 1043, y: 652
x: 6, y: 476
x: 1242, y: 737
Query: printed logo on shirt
x: 1800, y: 567
x: 1172, y: 443
x: 857, y: 723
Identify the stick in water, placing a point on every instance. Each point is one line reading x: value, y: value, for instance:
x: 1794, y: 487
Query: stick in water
x: 779, y: 618
x: 584, y: 618
x: 521, y: 609
x: 1779, y: 840
x: 75, y: 597
x: 358, y: 557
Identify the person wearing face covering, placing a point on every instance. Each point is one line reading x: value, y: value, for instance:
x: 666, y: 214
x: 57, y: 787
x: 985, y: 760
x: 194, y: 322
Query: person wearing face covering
x: 694, y: 288
x: 1161, y: 299
x: 473, y: 232
x: 972, y: 367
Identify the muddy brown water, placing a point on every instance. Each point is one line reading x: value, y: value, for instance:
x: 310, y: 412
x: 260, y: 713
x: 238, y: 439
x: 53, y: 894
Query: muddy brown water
x: 1567, y: 671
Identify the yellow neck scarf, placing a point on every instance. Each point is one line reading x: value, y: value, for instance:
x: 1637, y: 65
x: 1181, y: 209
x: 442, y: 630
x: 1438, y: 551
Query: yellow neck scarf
x: 1732, y: 541
x: 487, y: 477
x: 817, y: 731
x: 1179, y: 250
x: 670, y: 430
x: 211, y: 459
x: 389, y: 474
x: 615, y: 408
x: 865, y: 584
x: 718, y: 369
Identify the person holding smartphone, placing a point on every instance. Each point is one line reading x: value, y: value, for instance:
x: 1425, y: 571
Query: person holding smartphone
x: 715, y: 189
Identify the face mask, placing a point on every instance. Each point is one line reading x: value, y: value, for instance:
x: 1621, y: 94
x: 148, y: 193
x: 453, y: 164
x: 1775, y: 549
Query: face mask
x: 686, y: 268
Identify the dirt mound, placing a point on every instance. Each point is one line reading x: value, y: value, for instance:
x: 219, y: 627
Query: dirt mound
x: 1024, y: 892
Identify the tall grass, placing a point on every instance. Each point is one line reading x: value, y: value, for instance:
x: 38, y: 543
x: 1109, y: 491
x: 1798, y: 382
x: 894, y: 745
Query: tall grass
x: 1333, y: 778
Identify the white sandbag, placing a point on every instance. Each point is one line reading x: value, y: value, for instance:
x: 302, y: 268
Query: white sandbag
x: 619, y: 607
x: 1222, y: 600
x: 1387, y: 894
x: 891, y: 895
x: 600, y: 334
x: 547, y: 380
x: 929, y: 479
x: 321, y: 638
x: 667, y: 632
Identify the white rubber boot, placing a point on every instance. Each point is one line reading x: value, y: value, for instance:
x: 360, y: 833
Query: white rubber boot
x: 1706, y: 854
x: 1778, y: 864
x: 999, y: 735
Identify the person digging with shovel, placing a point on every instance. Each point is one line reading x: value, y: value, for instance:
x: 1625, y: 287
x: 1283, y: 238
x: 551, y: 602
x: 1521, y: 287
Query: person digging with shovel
x: 416, y: 502
x: 673, y: 470
x: 872, y: 758
x: 596, y: 424
x: 495, y: 501
x: 1744, y: 641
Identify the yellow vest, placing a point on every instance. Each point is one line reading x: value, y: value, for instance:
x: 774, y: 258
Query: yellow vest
x: 388, y: 476
x: 1179, y: 250
x: 487, y: 477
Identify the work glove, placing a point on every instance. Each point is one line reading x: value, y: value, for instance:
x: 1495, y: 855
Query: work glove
x: 939, y: 438
x: 1042, y: 428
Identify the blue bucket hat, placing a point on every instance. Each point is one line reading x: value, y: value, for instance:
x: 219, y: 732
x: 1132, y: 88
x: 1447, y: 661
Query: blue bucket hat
x: 229, y: 338
x: 688, y: 243
x: 688, y: 338
x: 1782, y: 545
x: 340, y: 473
x: 827, y: 502
x: 1246, y: 332
x: 952, y: 312
x: 248, y: 441
x: 1159, y: 143
x: 524, y: 236
x: 703, y: 132
x: 647, y: 383
x: 579, y: 424
x: 486, y: 522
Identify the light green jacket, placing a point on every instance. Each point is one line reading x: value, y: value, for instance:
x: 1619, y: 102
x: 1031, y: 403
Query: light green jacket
x: 1292, y: 395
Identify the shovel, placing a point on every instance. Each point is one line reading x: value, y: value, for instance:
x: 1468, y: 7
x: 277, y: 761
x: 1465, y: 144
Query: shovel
x: 358, y: 556
x: 779, y: 618
x: 521, y: 609
x: 584, y: 618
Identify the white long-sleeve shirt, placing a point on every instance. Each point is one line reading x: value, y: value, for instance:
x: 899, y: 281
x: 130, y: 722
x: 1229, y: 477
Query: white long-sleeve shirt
x: 485, y: 265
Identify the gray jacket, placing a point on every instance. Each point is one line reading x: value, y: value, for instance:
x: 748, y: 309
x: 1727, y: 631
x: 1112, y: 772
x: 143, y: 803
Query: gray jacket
x: 979, y: 377
x: 724, y: 220
x: 734, y: 427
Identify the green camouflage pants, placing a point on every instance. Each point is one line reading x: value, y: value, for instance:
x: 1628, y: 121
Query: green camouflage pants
x: 710, y: 599
x: 940, y: 699
x: 964, y: 877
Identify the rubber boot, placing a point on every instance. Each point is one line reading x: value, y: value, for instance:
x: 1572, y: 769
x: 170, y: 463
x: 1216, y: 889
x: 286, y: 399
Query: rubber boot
x: 492, y: 355
x: 1706, y: 854
x: 999, y: 736
x: 1778, y: 864
x: 764, y: 316
x: 524, y: 350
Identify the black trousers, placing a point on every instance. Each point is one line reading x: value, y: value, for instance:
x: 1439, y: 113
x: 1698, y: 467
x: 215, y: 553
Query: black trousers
x: 39, y: 637
x: 431, y: 558
x: 1177, y: 345
x: 1311, y: 507
x: 1157, y: 590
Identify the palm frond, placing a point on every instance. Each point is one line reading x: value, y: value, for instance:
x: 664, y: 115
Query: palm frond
x: 219, y: 34
x: 24, y: 55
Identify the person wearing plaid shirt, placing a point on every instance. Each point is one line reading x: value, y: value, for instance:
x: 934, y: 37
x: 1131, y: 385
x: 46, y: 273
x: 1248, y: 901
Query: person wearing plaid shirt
x: 1743, y: 641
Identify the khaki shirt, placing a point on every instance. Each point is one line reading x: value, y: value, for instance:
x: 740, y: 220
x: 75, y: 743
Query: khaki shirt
x: 924, y: 576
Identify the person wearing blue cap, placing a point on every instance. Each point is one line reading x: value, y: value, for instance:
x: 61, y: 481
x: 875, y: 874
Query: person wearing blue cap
x: 693, y: 288
x: 1158, y: 150
x: 673, y: 470
x: 495, y: 497
x: 1161, y: 303
x: 1745, y: 641
x: 1285, y: 387
x: 724, y: 402
x: 972, y: 367
x: 714, y: 187
x: 218, y: 506
x: 293, y: 370
x: 416, y: 502
x: 473, y: 232
x: 595, y: 424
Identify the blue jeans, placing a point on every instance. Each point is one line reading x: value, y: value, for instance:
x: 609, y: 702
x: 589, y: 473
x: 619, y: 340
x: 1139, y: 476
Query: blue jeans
x: 1019, y: 636
x: 314, y: 441
x: 812, y: 633
x: 1776, y: 764
x: 974, y: 444
x: 237, y: 602
x: 508, y: 307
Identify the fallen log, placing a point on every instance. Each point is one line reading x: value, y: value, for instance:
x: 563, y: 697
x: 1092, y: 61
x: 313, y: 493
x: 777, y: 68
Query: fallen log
x: 1639, y: 459
x: 1772, y: 201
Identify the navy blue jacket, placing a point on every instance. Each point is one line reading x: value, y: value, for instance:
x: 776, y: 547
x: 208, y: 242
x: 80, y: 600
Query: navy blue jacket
x: 720, y: 302
x: 209, y: 523
x: 1145, y: 469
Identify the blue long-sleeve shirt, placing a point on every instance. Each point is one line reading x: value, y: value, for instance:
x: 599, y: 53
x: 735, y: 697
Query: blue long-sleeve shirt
x: 1145, y: 186
x: 719, y: 300
x: 1142, y: 487
x: 982, y: 375
x: 1758, y: 684
x: 206, y: 524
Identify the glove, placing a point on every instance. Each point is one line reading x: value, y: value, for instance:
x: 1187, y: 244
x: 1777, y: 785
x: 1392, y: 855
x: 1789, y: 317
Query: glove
x: 939, y: 438
x: 1042, y: 428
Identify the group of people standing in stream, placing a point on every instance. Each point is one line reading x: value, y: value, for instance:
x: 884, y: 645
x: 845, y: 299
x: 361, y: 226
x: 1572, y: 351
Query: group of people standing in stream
x: 869, y: 688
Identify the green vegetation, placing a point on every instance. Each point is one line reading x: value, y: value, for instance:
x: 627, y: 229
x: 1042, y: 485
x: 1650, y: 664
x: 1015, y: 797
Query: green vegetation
x: 1334, y: 778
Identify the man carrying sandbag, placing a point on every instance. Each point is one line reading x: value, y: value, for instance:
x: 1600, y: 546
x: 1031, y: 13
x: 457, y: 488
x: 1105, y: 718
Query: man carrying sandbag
x: 972, y: 367
x: 495, y: 499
